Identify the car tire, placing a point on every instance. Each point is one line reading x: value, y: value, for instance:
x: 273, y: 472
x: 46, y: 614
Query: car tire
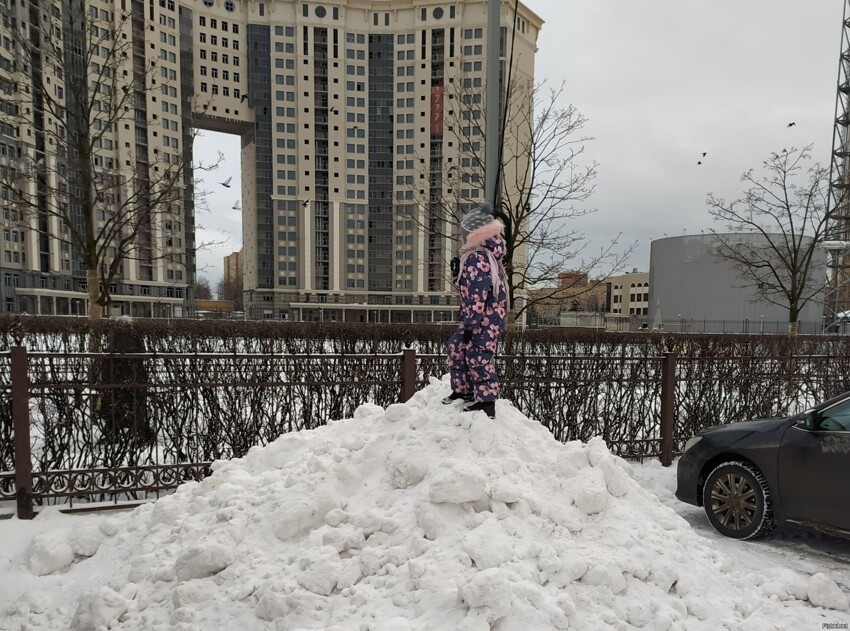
x: 737, y: 501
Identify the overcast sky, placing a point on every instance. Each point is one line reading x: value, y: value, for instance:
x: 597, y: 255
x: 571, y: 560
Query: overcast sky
x: 661, y: 81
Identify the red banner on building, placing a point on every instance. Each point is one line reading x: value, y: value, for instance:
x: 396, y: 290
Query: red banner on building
x: 437, y: 111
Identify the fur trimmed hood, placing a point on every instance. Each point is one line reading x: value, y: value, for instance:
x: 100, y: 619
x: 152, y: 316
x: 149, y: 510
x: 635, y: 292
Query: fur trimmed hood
x: 479, y: 236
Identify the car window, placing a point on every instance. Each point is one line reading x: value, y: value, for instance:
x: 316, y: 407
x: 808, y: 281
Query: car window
x: 836, y: 418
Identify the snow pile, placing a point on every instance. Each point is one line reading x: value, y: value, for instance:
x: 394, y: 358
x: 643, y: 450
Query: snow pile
x: 414, y: 517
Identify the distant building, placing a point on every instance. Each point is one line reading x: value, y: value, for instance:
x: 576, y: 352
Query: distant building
x: 232, y: 285
x: 342, y: 108
x: 629, y: 293
x: 233, y: 268
x: 575, y: 294
x: 692, y: 289
x: 214, y: 308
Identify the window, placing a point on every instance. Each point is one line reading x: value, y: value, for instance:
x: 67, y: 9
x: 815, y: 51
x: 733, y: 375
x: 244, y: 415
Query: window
x: 835, y: 418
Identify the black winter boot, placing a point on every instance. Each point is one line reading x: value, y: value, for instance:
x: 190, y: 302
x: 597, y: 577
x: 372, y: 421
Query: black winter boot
x: 488, y: 407
x: 454, y: 396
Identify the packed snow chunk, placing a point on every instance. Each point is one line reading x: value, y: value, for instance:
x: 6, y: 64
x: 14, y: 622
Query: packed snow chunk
x: 597, y: 451
x: 566, y: 515
x: 86, y: 539
x: 481, y: 434
x: 51, y: 552
x: 35, y: 601
x: 397, y: 412
x: 396, y: 623
x: 167, y: 510
x: 488, y: 545
x: 491, y: 591
x: 301, y: 509
x: 560, y: 567
x: 504, y: 490
x: 617, y: 481
x: 785, y: 585
x: 368, y: 409
x: 605, y: 575
x: 202, y: 560
x: 406, y: 468
x: 110, y: 526
x: 572, y: 458
x: 100, y: 609
x: 321, y: 569
x: 589, y: 491
x: 335, y: 517
x: 300, y: 610
x: 437, y: 520
x: 456, y: 482
x: 531, y: 611
x: 824, y: 592
x: 193, y: 592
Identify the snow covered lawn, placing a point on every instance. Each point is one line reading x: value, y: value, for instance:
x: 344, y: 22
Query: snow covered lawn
x: 412, y: 518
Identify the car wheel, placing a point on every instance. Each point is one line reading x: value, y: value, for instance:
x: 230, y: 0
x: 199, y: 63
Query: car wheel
x: 737, y: 501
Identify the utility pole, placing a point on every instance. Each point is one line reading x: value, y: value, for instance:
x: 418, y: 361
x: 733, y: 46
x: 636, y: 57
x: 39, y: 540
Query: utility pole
x: 493, y: 103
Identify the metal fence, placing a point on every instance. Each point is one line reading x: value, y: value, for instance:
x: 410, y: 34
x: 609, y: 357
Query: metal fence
x: 86, y: 429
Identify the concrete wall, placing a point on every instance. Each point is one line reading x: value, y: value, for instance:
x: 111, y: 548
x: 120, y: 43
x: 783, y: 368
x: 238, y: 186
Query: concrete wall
x: 689, y: 284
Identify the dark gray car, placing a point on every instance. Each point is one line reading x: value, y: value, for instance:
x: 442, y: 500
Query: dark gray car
x: 749, y: 476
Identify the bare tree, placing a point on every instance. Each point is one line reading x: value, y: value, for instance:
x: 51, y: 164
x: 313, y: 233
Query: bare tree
x: 543, y: 182
x: 85, y: 174
x: 231, y: 289
x: 773, y: 233
x: 202, y: 289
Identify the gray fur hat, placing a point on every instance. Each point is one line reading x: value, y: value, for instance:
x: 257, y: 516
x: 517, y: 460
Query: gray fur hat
x: 476, y: 218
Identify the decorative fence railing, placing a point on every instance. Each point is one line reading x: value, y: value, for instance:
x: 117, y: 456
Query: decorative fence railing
x: 86, y: 428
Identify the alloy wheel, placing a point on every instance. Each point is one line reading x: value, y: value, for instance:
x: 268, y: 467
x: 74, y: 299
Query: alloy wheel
x: 734, y: 501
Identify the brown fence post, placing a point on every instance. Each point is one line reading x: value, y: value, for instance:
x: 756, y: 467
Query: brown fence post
x: 668, y: 387
x: 408, y: 374
x: 21, y: 425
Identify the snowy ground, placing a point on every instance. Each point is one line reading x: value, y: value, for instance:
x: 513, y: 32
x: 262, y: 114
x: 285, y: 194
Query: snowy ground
x: 411, y: 518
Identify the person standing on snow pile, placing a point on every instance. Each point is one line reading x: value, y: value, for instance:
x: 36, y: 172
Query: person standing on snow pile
x: 481, y: 280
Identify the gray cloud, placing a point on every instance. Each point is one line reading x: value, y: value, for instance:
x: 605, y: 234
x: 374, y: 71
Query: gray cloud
x: 662, y: 81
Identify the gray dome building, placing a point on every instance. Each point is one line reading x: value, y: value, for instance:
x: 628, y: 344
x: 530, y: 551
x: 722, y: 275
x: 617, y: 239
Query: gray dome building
x: 692, y: 289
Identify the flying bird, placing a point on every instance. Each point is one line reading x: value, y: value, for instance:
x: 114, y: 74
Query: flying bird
x: 703, y: 153
x: 306, y: 203
x: 226, y: 183
x: 237, y: 205
x: 699, y: 161
x: 791, y: 124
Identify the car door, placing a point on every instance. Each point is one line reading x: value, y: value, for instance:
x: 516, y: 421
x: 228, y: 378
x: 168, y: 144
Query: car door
x: 813, y: 465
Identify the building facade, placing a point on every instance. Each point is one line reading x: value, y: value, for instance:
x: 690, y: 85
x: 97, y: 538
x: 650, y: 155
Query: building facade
x: 568, y: 304
x: 629, y: 294
x: 361, y: 124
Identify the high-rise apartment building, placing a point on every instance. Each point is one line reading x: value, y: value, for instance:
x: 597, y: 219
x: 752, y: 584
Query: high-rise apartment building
x: 362, y: 135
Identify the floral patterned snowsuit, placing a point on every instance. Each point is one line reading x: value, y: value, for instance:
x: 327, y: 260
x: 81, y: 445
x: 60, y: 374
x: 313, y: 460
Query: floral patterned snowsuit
x: 483, y: 311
